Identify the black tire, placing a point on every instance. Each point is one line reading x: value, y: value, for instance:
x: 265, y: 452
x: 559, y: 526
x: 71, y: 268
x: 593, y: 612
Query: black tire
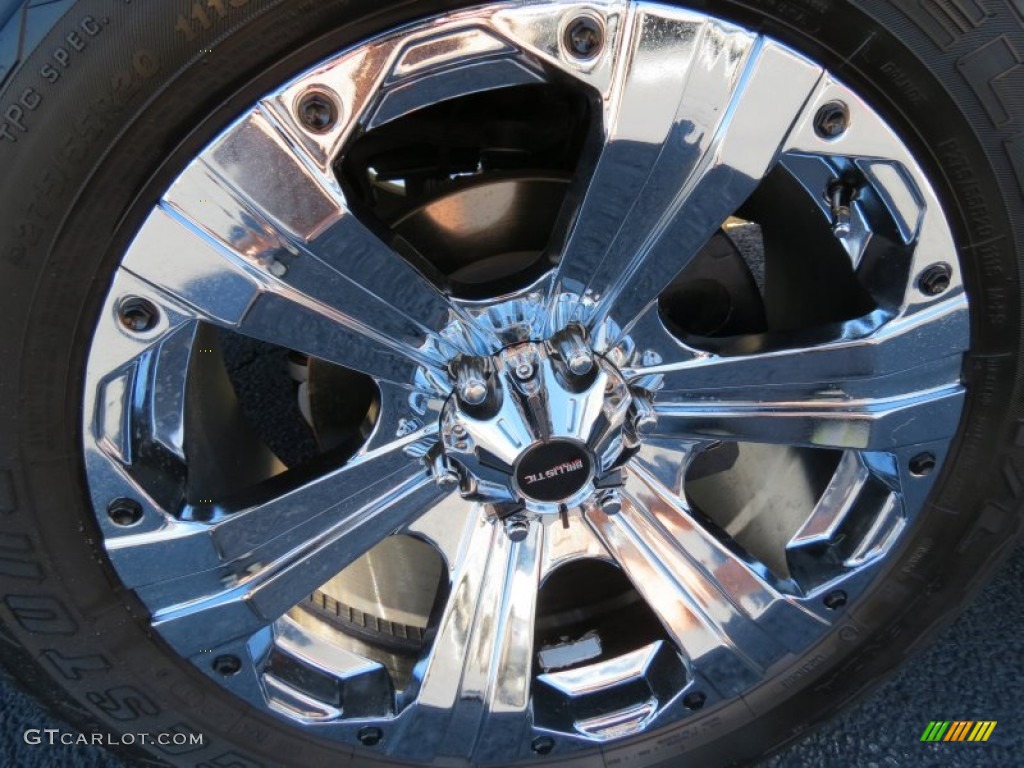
x: 91, y: 136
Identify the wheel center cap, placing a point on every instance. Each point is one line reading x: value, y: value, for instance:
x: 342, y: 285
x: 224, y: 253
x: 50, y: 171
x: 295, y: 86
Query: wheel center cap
x: 538, y: 426
x: 554, y: 471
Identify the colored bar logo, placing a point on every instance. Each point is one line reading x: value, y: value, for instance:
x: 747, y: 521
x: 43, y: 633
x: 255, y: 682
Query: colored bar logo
x: 958, y: 730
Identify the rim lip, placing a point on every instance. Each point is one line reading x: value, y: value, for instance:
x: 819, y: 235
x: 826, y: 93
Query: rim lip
x: 487, y: 302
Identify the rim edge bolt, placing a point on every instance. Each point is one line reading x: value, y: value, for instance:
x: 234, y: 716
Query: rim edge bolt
x: 584, y: 37
x: 543, y: 745
x: 370, y: 736
x: 832, y: 120
x: 935, y: 280
x: 317, y: 111
x: 227, y: 665
x: 835, y: 600
x: 136, y: 314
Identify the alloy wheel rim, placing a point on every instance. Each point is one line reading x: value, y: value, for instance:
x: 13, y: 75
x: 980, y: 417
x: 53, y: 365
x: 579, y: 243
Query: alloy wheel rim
x: 256, y: 236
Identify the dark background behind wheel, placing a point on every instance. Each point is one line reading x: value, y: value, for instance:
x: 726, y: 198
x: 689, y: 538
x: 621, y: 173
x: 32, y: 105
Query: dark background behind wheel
x: 972, y: 672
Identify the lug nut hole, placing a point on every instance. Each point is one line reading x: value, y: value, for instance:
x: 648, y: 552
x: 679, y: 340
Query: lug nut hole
x: 835, y: 600
x: 370, y: 736
x: 137, y: 315
x: 922, y: 464
x: 543, y: 745
x: 832, y: 120
x: 935, y: 280
x: 227, y: 665
x: 584, y: 37
x: 694, y: 700
x: 124, y: 512
x: 318, y: 111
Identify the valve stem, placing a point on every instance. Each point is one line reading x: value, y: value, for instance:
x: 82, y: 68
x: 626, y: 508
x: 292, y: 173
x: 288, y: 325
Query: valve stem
x: 841, y: 197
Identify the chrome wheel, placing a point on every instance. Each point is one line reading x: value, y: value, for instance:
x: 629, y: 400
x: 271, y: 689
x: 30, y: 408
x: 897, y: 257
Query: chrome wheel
x: 571, y: 484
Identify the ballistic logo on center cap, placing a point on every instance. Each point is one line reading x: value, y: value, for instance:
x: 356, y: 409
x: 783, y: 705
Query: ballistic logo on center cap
x: 553, y: 471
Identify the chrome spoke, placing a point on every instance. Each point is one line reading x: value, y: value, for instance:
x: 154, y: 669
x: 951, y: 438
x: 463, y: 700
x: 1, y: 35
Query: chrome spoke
x: 895, y: 358
x: 897, y: 386
x: 476, y: 678
x: 724, y: 615
x: 233, y: 577
x: 686, y: 144
x: 867, y: 425
x: 328, y: 287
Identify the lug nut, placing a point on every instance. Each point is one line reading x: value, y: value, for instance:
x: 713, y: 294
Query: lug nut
x: 645, y: 419
x: 473, y: 391
x: 584, y: 37
x: 611, y: 503
x: 445, y: 475
x: 832, y: 120
x: 471, y: 380
x: 124, y: 512
x: 227, y: 665
x: 449, y: 481
x: 517, y: 527
x: 137, y: 315
x: 935, y: 280
x: 572, y: 347
x: 317, y: 111
x: 580, y: 363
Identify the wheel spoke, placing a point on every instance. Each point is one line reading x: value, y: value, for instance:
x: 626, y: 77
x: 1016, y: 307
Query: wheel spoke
x: 476, y: 678
x: 229, y: 579
x: 324, y: 285
x: 898, y: 386
x: 722, y: 614
x: 686, y: 144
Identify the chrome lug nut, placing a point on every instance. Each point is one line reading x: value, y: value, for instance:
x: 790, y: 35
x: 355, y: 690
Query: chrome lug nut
x: 517, y: 527
x: 611, y: 502
x: 644, y: 419
x: 449, y: 481
x: 473, y: 391
x: 471, y: 380
x: 572, y: 347
x: 445, y: 474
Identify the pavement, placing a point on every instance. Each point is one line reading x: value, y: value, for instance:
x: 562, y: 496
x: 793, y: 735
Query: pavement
x: 974, y: 670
